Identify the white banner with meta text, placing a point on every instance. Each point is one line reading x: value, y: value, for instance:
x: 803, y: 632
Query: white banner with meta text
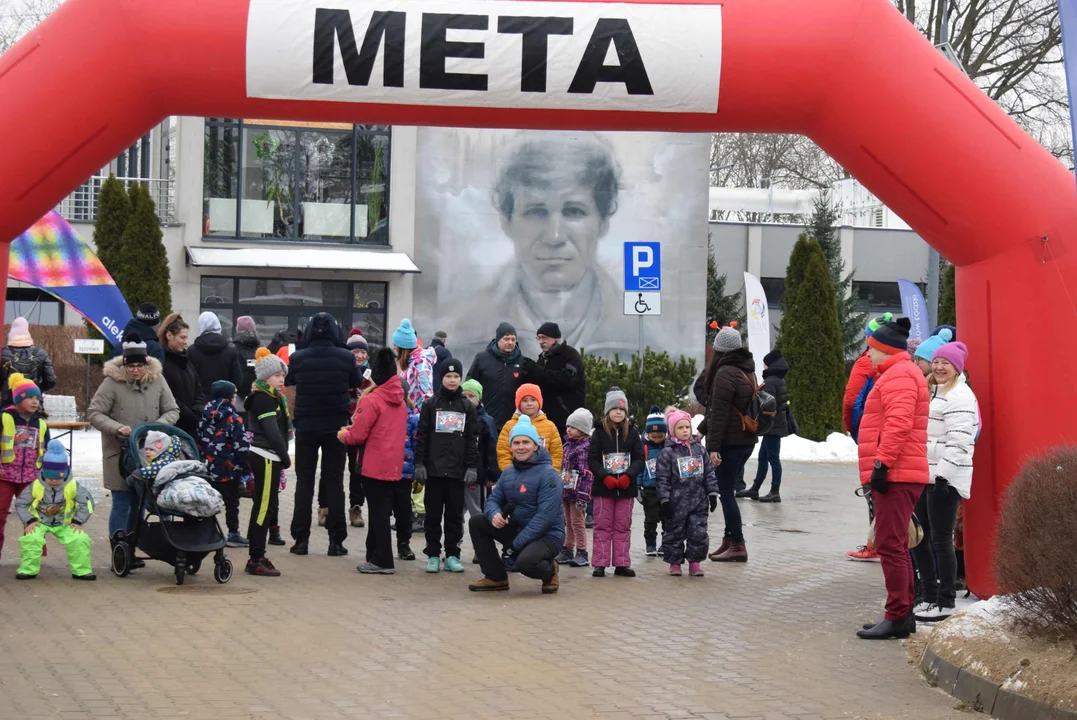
x: 487, y: 53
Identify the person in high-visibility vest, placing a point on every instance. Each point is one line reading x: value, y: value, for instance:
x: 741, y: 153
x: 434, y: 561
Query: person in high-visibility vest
x: 23, y: 436
x: 56, y: 504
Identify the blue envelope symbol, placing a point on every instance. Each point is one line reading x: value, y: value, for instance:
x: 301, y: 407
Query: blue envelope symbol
x: 648, y: 283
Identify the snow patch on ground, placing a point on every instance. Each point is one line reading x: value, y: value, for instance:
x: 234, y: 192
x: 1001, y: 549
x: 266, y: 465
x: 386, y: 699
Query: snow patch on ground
x: 837, y: 448
x: 985, y: 618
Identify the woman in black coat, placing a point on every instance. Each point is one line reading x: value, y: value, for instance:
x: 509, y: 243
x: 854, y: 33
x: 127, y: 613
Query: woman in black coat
x: 180, y: 373
x: 774, y: 371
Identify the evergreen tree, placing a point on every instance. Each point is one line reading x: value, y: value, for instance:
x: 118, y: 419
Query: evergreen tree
x: 113, y: 212
x: 823, y: 227
x: 812, y: 342
x: 141, y: 269
x: 721, y: 308
x: 948, y: 297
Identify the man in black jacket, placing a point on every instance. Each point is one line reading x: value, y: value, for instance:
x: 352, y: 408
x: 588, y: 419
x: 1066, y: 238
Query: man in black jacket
x: 144, y: 324
x: 499, y: 369
x: 322, y: 372
x: 559, y: 374
x: 213, y: 357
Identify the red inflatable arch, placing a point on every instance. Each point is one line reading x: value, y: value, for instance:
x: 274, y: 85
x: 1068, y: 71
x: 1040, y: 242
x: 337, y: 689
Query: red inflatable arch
x: 853, y: 75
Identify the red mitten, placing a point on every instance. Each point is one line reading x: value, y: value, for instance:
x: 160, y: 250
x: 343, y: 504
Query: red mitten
x: 623, y: 482
x: 610, y: 481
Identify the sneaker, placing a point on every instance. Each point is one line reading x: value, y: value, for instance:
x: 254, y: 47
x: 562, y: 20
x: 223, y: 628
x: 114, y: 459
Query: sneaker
x: 624, y: 572
x: 452, y: 564
x: 922, y: 608
x: 433, y: 564
x: 598, y: 572
x: 323, y: 515
x: 487, y: 585
x: 261, y: 567
x: 369, y: 568
x: 549, y: 587
x: 274, y: 537
x: 864, y: 553
x: 695, y: 569
x: 675, y: 569
x: 589, y: 521
x: 652, y: 549
x: 404, y: 552
x: 565, y: 556
x: 934, y: 613
x: 355, y: 516
x: 581, y: 559
x: 236, y: 540
x: 87, y: 576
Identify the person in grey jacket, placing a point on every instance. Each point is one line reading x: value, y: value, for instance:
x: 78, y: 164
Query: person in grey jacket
x: 132, y: 392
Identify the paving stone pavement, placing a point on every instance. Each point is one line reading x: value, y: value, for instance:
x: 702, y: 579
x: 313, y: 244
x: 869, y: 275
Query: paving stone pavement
x: 769, y: 640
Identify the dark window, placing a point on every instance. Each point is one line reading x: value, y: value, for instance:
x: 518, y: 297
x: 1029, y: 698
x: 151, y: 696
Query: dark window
x: 775, y: 291
x: 298, y: 183
x: 284, y: 305
x: 880, y: 296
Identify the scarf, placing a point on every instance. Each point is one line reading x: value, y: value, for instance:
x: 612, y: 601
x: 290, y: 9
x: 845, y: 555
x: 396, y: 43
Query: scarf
x: 281, y: 398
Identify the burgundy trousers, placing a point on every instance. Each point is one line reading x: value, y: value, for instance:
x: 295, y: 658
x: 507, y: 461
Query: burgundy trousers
x: 893, y: 511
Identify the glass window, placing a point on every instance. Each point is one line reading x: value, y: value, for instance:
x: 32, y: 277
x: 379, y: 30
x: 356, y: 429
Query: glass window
x: 270, y: 325
x: 220, y: 177
x: 880, y: 295
x: 372, y: 325
x: 227, y: 318
x: 217, y: 291
x: 369, y: 295
x: 268, y: 207
x: 37, y: 311
x: 302, y: 293
x: 774, y: 289
x: 290, y: 181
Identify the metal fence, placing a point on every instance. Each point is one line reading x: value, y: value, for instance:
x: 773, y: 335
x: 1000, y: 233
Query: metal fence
x: 81, y: 205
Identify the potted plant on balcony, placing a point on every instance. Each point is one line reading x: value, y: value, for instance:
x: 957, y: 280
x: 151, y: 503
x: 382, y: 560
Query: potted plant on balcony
x: 276, y: 183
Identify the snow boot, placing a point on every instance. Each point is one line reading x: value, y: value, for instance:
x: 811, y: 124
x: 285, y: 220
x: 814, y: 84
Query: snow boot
x: 736, y: 553
x: 274, y: 536
x: 355, y: 516
x: 721, y: 549
x: 752, y: 492
x: 695, y: 569
x: 581, y: 559
x: 565, y: 556
x: 771, y: 497
x: 652, y: 549
x: 675, y: 569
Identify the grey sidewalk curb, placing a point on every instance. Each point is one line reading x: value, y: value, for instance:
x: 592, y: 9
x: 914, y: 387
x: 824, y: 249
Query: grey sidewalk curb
x: 985, y: 695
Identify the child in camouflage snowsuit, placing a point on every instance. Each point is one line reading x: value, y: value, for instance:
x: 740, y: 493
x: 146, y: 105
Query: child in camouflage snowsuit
x: 686, y: 486
x: 222, y: 440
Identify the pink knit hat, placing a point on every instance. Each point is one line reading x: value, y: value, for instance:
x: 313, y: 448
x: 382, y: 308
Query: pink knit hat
x: 19, y: 335
x: 954, y: 353
x: 675, y: 417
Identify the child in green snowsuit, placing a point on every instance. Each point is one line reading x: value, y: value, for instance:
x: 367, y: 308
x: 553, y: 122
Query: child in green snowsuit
x: 55, y: 504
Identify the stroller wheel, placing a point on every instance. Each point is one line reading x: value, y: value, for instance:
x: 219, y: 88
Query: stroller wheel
x: 222, y: 571
x: 194, y: 567
x: 181, y: 573
x: 121, y: 559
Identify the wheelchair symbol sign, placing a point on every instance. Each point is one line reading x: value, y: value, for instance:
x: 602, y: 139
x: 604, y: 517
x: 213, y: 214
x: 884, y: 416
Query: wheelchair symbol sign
x: 643, y: 303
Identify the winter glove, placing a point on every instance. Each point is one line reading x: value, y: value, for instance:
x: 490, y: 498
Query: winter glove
x: 610, y: 481
x: 471, y: 477
x: 878, y: 478
x: 713, y: 500
x: 667, y: 510
x: 623, y: 482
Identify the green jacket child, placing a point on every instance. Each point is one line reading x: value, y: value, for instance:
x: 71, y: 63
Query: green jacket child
x: 58, y: 505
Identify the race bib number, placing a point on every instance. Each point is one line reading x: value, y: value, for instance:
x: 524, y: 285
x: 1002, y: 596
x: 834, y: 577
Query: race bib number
x: 542, y: 442
x: 25, y: 436
x: 616, y: 463
x: 652, y: 467
x: 690, y: 467
x: 570, y: 478
x: 447, y: 421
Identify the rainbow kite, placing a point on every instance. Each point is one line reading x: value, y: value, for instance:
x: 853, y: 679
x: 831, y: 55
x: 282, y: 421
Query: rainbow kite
x: 52, y: 257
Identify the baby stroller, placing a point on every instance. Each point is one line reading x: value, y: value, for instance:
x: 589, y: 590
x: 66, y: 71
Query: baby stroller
x: 180, y: 540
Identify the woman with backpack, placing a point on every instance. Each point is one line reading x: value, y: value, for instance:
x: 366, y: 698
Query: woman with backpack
x: 20, y: 355
x: 730, y: 386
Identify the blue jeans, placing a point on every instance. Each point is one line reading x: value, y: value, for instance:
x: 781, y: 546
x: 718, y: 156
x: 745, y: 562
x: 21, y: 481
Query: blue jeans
x: 733, y: 459
x: 123, y: 513
x: 770, y: 450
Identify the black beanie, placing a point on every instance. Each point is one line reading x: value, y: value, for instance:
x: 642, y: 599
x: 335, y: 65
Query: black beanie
x: 549, y: 329
x: 383, y: 366
x: 892, y: 338
x: 772, y: 357
x: 450, y: 365
x: 148, y: 314
x: 504, y: 329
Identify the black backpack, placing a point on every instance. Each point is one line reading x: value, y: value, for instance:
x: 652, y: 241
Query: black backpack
x: 762, y: 410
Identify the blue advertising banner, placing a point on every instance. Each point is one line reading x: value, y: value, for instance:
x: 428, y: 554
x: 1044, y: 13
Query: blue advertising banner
x: 914, y: 307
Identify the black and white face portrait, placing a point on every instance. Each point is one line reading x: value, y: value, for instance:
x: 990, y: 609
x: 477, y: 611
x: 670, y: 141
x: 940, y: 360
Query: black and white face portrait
x: 529, y: 226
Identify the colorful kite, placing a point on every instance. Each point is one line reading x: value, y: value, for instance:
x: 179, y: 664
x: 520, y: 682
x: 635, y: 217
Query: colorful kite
x: 52, y: 257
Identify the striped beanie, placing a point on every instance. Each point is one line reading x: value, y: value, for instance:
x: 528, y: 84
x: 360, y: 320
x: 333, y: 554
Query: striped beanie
x: 891, y: 338
x: 54, y: 462
x: 656, y: 421
x: 878, y: 322
x: 22, y: 387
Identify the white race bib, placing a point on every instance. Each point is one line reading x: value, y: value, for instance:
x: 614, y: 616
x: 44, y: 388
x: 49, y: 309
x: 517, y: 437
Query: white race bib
x: 652, y: 467
x: 690, y: 467
x: 448, y: 421
x: 570, y: 478
x: 616, y: 463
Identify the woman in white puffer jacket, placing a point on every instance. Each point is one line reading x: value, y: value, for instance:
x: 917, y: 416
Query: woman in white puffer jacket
x: 953, y: 424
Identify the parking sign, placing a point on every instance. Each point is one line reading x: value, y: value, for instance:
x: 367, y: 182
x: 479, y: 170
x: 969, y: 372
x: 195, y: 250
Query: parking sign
x: 643, y: 267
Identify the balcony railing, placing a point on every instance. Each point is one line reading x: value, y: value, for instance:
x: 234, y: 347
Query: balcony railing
x: 81, y: 205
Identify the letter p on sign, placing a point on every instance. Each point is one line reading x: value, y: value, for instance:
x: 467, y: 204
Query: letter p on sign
x: 642, y: 257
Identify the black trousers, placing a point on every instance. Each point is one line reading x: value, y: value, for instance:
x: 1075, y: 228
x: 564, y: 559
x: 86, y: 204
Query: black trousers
x: 356, y: 487
x: 536, y: 560
x: 444, y: 500
x: 651, y: 512
x: 266, y: 496
x: 936, y: 559
x: 385, y: 499
x: 229, y: 491
x: 308, y: 446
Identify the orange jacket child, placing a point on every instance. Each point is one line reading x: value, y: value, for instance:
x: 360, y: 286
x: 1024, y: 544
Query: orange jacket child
x: 548, y: 435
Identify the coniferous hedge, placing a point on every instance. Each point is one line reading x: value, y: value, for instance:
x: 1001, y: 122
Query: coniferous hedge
x: 811, y: 341
x: 142, y: 262
x: 948, y: 298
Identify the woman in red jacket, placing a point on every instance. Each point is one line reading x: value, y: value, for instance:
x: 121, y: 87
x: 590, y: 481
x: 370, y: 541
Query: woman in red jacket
x: 380, y: 425
x: 893, y: 461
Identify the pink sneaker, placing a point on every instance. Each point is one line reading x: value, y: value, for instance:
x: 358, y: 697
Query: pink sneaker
x: 675, y: 569
x: 695, y: 569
